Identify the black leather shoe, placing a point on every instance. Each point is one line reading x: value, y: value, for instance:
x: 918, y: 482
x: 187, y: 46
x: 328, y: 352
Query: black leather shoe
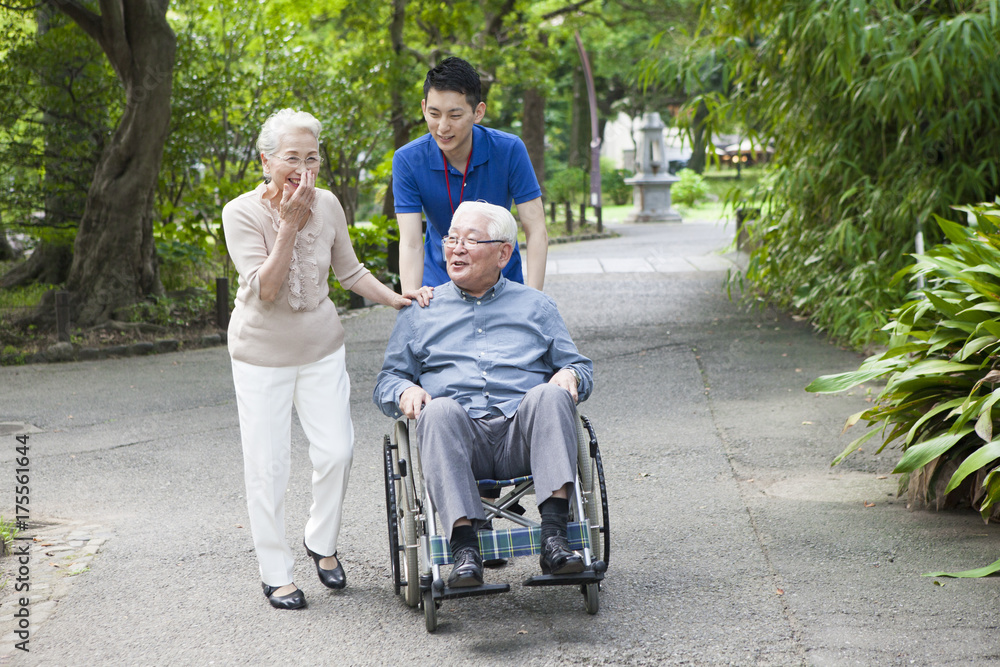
x: 558, y: 558
x: 334, y: 578
x: 468, y: 569
x: 294, y: 600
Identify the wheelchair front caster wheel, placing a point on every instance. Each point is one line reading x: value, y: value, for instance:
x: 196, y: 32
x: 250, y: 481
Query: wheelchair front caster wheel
x: 430, y: 611
x: 591, y: 597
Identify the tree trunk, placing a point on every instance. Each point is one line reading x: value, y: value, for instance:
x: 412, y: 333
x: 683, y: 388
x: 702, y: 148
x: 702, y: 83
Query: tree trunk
x: 400, y: 128
x: 49, y: 264
x: 7, y: 252
x: 533, y: 130
x: 699, y: 143
x: 114, y: 263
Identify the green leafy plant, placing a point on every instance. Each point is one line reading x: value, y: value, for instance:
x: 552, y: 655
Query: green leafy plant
x: 614, y: 189
x: 8, y: 531
x: 942, y: 369
x: 690, y: 190
x: 193, y: 305
x: 568, y: 184
x: 875, y: 129
x: 371, y: 243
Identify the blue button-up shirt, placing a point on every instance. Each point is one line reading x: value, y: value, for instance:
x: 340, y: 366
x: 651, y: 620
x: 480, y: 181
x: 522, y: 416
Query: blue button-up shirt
x: 485, y: 352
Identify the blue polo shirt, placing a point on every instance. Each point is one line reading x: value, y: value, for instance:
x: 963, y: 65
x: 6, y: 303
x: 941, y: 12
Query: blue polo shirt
x: 500, y: 173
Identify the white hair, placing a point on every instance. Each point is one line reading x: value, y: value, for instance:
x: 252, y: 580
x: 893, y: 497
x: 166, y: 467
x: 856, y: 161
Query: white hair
x: 500, y: 222
x: 283, y: 122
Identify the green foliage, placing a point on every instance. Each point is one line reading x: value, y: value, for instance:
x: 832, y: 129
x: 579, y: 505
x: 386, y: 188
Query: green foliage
x: 60, y: 103
x: 940, y: 366
x: 691, y: 189
x: 8, y: 531
x: 180, y: 263
x: 569, y: 184
x: 371, y: 243
x: 193, y: 305
x: 613, y: 186
x: 23, y: 297
x: 883, y: 114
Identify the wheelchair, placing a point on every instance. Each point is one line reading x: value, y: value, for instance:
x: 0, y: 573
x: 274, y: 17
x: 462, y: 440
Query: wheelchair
x: 417, y: 550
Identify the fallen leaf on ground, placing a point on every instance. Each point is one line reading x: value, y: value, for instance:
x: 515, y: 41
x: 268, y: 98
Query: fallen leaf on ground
x: 780, y: 591
x: 867, y: 504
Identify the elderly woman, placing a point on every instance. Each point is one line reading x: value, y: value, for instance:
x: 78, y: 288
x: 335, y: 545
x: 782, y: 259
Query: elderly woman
x: 287, y: 347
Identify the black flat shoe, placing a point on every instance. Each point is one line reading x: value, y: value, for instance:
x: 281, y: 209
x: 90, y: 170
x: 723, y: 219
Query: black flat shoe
x: 294, y: 600
x: 334, y: 578
x: 468, y: 569
x: 558, y: 558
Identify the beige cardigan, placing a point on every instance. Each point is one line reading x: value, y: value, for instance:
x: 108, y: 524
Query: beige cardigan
x: 301, y: 325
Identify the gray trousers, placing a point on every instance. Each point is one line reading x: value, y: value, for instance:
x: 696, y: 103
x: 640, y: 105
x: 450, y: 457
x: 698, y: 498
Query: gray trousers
x: 456, y: 450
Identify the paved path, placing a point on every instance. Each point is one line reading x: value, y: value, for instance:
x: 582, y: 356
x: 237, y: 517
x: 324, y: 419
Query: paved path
x: 734, y: 541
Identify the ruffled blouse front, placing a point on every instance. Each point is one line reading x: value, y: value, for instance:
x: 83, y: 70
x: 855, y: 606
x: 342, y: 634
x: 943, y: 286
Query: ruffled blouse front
x: 303, y: 272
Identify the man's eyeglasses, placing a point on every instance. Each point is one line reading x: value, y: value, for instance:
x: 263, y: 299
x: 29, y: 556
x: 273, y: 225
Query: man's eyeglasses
x: 453, y: 241
x: 294, y: 161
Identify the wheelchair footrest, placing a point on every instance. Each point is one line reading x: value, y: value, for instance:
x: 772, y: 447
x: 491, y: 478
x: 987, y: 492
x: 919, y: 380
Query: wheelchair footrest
x: 470, y: 591
x: 585, y: 577
x: 509, y: 543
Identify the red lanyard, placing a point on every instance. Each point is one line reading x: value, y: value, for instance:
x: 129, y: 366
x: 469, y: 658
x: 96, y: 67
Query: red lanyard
x: 447, y: 181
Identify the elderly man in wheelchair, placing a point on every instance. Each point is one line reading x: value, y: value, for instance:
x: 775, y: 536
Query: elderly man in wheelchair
x: 491, y: 376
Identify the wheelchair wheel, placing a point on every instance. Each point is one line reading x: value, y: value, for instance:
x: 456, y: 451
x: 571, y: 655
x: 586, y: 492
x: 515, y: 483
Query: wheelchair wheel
x: 406, y: 514
x: 591, y: 597
x: 391, y: 511
x: 594, y: 490
x: 430, y: 611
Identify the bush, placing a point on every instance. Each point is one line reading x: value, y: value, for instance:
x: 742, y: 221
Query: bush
x: 371, y: 244
x: 181, y: 263
x: 614, y: 189
x: 941, y: 382
x: 690, y: 190
x: 569, y: 184
x: 875, y: 129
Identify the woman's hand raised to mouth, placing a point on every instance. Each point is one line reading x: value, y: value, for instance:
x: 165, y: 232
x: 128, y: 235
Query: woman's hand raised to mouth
x: 296, y: 202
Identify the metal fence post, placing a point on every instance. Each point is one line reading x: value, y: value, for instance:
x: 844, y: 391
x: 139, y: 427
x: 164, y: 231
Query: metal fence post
x: 222, y: 303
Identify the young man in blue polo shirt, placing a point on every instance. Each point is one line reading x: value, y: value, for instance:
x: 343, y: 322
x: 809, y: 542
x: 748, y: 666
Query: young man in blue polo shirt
x: 460, y: 160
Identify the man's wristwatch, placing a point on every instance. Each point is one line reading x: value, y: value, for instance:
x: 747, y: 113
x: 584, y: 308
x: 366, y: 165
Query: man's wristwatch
x: 576, y: 374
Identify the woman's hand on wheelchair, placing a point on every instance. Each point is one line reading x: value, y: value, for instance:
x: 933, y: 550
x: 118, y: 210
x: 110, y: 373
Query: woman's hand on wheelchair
x: 412, y: 400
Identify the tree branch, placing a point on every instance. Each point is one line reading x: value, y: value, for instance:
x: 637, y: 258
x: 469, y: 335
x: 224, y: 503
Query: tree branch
x: 568, y: 9
x: 88, y: 21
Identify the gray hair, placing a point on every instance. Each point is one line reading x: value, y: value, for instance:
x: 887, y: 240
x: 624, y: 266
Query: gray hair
x: 500, y: 222
x: 283, y: 122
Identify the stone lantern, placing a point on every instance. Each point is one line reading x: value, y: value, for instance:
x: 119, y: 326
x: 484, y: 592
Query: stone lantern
x: 651, y: 183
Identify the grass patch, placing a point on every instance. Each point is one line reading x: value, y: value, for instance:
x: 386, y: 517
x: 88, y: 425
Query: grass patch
x: 8, y: 531
x: 23, y: 297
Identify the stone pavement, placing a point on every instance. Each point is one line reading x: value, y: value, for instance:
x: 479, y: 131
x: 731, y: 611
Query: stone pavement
x: 58, y: 553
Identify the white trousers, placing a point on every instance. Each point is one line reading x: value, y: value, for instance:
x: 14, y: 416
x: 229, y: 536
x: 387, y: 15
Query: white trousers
x: 321, y: 393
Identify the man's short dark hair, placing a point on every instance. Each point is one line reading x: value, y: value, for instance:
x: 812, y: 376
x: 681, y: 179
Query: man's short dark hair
x: 455, y: 75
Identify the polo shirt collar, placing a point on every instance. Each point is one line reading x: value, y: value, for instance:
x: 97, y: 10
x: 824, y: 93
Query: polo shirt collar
x: 480, y: 150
